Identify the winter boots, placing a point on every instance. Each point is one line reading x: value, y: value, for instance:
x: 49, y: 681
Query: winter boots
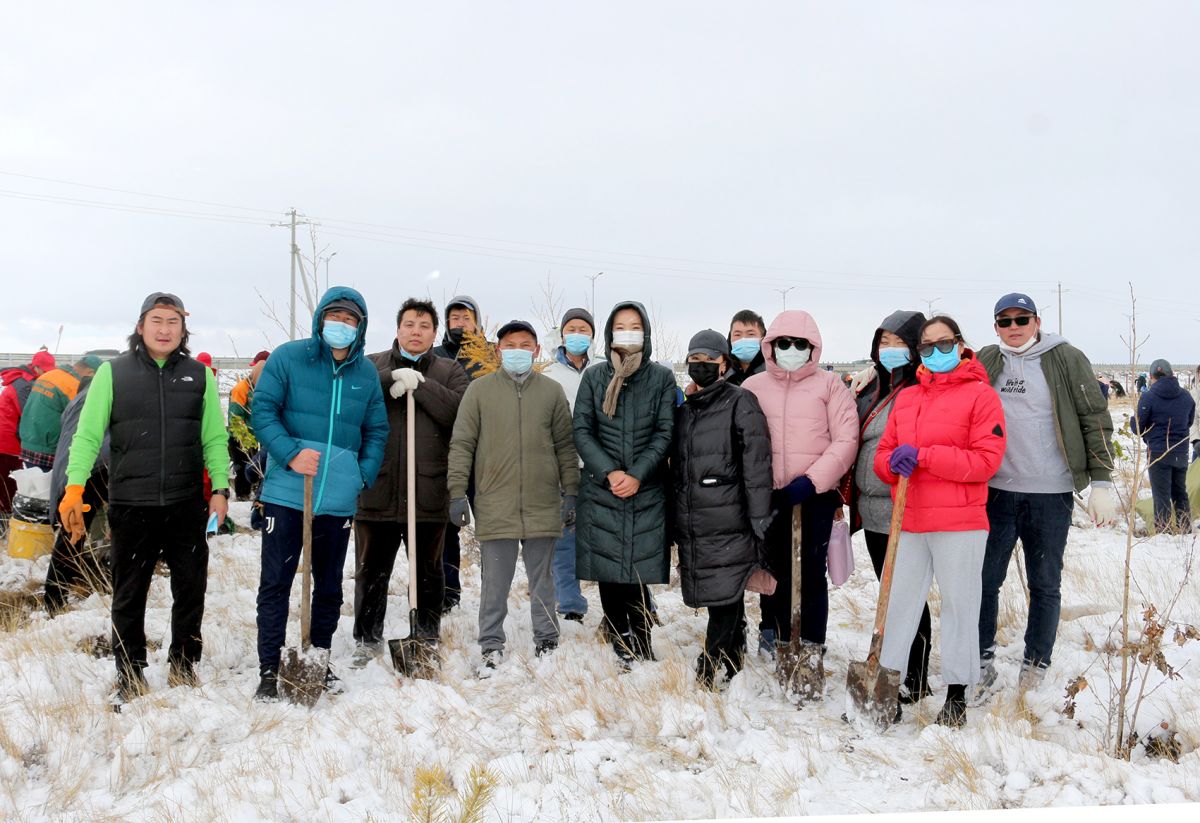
x: 954, y: 712
x: 268, y: 686
x: 544, y: 648
x: 986, y: 684
x: 1031, y: 677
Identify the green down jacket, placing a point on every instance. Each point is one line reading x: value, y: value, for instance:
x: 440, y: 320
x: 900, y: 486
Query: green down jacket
x: 624, y: 541
x: 517, y: 436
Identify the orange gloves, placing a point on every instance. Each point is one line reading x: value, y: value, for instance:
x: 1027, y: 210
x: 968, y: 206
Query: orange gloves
x: 71, y: 511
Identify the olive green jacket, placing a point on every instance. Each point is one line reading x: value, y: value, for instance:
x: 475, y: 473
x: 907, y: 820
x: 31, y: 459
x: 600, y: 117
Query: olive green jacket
x: 1081, y: 417
x: 517, y: 438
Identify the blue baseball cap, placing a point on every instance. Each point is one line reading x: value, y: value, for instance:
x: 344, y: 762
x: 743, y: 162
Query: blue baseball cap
x: 1016, y: 300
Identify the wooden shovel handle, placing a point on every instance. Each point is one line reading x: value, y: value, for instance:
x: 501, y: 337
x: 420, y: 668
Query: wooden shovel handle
x: 306, y: 567
x: 889, y: 563
x: 410, y: 425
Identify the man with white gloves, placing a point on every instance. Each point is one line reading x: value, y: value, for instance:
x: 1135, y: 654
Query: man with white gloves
x: 380, y: 525
x: 1059, y: 443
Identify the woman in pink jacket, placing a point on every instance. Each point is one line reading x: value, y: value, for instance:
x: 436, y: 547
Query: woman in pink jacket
x: 814, y: 440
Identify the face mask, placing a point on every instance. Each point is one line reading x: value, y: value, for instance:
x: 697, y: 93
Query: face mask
x: 577, y: 344
x: 793, y: 358
x: 516, y: 361
x: 1024, y: 347
x: 893, y: 358
x: 628, y: 340
x: 413, y: 357
x: 704, y: 374
x: 942, y: 362
x: 337, y: 334
x: 746, y: 349
x: 455, y: 335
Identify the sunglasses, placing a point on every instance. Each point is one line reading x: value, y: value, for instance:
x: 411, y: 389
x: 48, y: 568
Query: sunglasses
x: 785, y: 343
x: 1020, y: 320
x: 944, y: 346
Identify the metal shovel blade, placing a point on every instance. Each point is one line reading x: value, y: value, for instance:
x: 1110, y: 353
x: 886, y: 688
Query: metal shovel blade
x: 302, y: 675
x: 414, y: 657
x: 873, y: 692
x: 801, y: 670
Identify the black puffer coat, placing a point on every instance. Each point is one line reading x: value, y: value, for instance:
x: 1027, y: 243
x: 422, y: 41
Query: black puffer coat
x: 721, y: 463
x: 624, y: 541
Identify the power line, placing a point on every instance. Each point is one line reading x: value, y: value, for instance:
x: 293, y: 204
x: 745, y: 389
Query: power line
x: 137, y: 193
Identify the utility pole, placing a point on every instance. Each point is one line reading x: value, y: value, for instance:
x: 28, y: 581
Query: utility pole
x: 784, y: 293
x: 1060, y: 331
x: 594, y: 278
x: 295, y: 255
x: 327, y: 259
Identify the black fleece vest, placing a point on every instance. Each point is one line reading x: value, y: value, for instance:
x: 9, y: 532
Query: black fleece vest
x: 157, y: 454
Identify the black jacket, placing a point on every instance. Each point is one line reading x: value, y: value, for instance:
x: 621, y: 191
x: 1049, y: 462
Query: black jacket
x: 436, y: 402
x: 721, y: 464
x: 737, y: 373
x: 1164, y: 418
x: 154, y: 430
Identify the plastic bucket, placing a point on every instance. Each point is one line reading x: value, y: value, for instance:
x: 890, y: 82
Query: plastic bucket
x: 29, y: 541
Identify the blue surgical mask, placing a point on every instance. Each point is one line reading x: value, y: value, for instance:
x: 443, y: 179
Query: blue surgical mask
x: 516, y: 361
x: 893, y: 358
x: 577, y: 344
x: 792, y: 359
x: 746, y: 349
x: 413, y: 357
x: 337, y: 334
x: 942, y: 362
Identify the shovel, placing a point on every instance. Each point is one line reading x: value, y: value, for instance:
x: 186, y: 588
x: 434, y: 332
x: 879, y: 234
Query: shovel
x: 874, y: 691
x: 799, y: 665
x: 302, y: 672
x: 413, y: 656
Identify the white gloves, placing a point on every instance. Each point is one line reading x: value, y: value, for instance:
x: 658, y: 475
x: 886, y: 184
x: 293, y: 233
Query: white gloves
x: 1102, y: 504
x: 859, y: 381
x: 405, y: 380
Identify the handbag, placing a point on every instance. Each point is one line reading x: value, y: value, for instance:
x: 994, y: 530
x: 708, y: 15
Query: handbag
x: 841, y: 553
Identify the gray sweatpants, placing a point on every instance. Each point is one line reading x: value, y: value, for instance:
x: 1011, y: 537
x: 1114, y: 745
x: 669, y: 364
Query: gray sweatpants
x: 956, y: 560
x: 497, y: 566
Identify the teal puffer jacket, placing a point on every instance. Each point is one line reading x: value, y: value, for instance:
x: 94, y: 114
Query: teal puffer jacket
x: 306, y: 400
x: 624, y: 541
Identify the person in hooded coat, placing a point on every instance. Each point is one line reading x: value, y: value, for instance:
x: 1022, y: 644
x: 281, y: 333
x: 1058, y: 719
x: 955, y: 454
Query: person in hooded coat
x: 721, y: 464
x: 814, y: 440
x: 17, y: 382
x: 623, y: 421
x: 947, y: 436
x: 319, y: 412
x: 462, y: 319
x: 1165, y: 415
x: 894, y: 353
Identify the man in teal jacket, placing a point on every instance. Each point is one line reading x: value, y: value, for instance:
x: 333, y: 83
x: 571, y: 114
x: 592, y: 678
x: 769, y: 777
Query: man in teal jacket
x: 318, y: 411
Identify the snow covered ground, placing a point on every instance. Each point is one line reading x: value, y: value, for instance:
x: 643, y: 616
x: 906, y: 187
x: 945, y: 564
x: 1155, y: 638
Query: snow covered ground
x: 564, y: 738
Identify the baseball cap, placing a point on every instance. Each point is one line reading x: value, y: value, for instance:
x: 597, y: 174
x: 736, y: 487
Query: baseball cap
x: 262, y: 355
x: 44, y: 360
x: 164, y: 299
x: 343, y: 304
x: 515, y: 325
x: 1016, y: 300
x: 710, y: 343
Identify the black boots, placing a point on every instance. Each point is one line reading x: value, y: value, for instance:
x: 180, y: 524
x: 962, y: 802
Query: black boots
x: 954, y: 712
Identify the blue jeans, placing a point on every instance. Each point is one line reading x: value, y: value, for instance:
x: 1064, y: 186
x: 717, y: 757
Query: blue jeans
x: 566, y: 584
x: 282, y: 541
x: 1168, y: 484
x: 1041, y: 522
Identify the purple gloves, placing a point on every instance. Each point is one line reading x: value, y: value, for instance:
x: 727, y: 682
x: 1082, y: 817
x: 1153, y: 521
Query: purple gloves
x: 904, y: 460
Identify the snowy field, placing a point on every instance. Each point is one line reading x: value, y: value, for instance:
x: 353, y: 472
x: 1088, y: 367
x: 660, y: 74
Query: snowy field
x: 564, y: 738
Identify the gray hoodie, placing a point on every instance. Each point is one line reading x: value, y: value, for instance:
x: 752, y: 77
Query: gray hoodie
x: 1033, y: 461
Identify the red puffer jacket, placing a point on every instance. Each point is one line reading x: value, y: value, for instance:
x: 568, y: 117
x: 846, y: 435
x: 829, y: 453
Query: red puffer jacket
x: 17, y: 383
x: 957, y: 424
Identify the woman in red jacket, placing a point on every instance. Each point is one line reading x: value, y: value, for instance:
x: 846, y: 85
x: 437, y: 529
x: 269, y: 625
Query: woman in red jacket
x: 947, y: 435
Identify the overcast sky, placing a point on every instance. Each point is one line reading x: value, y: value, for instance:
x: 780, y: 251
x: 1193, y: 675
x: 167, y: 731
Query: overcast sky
x: 873, y: 156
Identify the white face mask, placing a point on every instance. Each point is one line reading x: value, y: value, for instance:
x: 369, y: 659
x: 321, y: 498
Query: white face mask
x: 628, y: 340
x: 793, y: 358
x: 1024, y: 347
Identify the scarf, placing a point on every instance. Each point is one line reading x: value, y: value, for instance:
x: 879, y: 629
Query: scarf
x: 624, y: 366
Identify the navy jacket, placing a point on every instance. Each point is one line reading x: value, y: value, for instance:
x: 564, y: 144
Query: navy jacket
x: 306, y: 400
x: 1165, y: 413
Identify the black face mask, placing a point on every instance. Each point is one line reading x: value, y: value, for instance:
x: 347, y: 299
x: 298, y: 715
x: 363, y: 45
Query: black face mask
x: 704, y: 374
x: 455, y: 335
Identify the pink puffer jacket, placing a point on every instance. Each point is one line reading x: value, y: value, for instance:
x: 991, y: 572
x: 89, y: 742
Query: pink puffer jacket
x: 811, y: 413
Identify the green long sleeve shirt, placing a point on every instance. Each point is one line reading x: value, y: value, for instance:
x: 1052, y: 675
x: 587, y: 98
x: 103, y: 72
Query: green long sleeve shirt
x: 97, y: 413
